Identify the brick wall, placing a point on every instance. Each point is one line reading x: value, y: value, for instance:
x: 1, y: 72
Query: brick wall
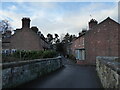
x: 102, y: 40
x: 77, y: 44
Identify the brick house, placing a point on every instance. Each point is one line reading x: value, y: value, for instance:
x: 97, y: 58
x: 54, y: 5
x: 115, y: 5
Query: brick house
x: 77, y: 47
x: 100, y: 40
x: 25, y: 38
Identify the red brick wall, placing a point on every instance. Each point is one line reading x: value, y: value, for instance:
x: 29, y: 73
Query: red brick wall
x: 77, y: 44
x: 102, y: 41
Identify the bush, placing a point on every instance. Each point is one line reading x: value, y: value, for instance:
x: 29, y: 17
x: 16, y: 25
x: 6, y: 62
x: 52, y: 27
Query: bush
x: 36, y: 54
x: 29, y: 55
x: 72, y: 57
x: 49, y: 54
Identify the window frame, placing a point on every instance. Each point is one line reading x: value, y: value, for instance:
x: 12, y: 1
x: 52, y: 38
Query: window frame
x: 80, y: 54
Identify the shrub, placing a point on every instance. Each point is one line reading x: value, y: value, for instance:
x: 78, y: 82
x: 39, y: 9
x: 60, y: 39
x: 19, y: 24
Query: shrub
x: 49, y: 54
x: 72, y: 57
x: 29, y: 55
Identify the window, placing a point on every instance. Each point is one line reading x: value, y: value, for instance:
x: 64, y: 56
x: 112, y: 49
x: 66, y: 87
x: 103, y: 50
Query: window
x: 80, y: 54
x: 13, y: 50
x: 6, y: 51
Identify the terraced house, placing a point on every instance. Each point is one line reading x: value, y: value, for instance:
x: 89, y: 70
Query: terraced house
x: 25, y: 38
x: 100, y: 40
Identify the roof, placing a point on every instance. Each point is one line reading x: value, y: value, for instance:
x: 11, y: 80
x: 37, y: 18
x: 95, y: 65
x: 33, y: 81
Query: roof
x: 82, y: 34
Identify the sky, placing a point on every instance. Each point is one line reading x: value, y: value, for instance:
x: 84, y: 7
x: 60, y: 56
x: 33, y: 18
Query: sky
x: 58, y: 17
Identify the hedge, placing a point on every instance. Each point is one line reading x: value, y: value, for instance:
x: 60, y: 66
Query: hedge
x: 29, y: 55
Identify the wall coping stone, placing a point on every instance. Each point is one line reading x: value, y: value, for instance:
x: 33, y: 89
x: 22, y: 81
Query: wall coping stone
x: 110, y: 62
x: 20, y: 63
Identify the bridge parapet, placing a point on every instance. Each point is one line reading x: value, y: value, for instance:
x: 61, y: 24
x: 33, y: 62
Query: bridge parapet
x: 108, y: 69
x: 16, y: 73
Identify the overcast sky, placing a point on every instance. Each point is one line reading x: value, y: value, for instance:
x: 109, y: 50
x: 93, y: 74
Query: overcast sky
x: 58, y: 17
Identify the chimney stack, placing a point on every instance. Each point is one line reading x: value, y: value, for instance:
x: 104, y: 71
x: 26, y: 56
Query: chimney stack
x: 92, y: 23
x: 26, y: 23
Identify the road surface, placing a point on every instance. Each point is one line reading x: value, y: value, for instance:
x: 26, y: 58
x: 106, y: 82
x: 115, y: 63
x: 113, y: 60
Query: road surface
x: 70, y: 76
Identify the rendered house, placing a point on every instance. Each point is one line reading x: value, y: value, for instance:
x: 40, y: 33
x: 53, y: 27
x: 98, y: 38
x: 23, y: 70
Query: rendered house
x: 25, y: 38
x: 100, y: 40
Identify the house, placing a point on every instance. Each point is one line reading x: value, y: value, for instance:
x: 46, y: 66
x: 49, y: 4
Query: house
x: 100, y: 40
x: 25, y: 38
x: 6, y: 41
x: 77, y: 47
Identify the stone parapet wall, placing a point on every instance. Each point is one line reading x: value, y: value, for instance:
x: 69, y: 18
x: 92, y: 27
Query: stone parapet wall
x: 108, y: 69
x: 16, y: 73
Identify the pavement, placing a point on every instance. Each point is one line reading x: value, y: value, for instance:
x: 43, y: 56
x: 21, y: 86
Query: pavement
x: 70, y: 76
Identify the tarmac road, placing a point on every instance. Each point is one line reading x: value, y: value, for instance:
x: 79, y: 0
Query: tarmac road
x: 70, y: 76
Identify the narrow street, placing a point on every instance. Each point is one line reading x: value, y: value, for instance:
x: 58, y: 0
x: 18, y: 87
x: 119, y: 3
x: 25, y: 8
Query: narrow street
x: 70, y: 76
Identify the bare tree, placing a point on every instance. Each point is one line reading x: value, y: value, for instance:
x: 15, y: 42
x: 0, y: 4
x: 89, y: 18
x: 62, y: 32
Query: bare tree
x: 4, y: 26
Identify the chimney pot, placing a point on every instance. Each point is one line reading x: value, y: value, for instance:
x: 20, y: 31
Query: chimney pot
x: 26, y: 23
x: 35, y: 29
x: 92, y: 23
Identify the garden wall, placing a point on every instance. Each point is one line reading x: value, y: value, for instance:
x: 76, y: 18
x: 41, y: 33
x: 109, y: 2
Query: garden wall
x: 16, y: 73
